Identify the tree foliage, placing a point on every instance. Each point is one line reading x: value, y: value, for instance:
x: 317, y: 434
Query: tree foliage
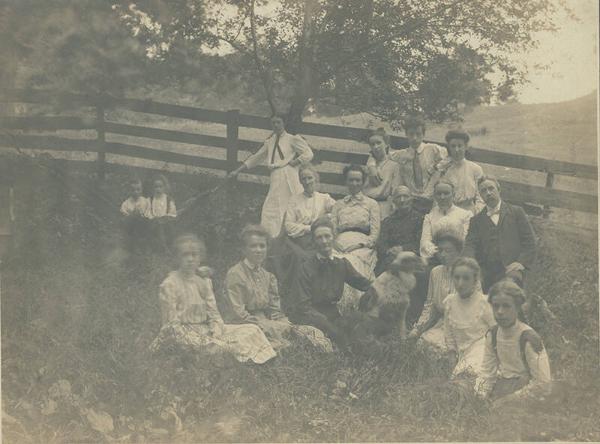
x: 385, y: 57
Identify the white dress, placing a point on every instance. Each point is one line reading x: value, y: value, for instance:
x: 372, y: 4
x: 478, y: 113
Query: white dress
x: 455, y: 219
x: 466, y: 321
x: 189, y: 313
x: 284, y: 178
x: 302, y: 211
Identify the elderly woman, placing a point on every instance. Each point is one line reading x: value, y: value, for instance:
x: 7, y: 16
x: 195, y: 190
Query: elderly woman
x: 402, y: 228
x: 191, y: 319
x: 384, y: 174
x: 357, y: 221
x: 462, y: 173
x: 443, y: 216
x: 282, y: 153
x: 252, y: 295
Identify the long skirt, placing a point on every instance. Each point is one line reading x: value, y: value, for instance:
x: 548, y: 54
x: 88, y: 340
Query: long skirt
x: 279, y: 331
x: 246, y: 342
x: 470, y: 359
x: 284, y: 184
x: 363, y: 260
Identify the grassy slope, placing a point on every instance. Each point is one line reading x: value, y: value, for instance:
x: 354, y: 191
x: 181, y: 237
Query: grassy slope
x: 68, y: 314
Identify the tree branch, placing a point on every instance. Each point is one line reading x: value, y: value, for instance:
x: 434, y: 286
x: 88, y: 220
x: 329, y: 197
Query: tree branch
x: 265, y: 76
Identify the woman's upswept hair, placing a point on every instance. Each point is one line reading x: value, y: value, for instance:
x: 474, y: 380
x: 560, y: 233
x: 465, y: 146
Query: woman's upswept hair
x: 323, y: 221
x: 254, y: 230
x: 380, y: 132
x: 309, y: 167
x: 449, y: 236
x: 444, y: 182
x: 508, y: 287
x: 457, y: 134
x: 468, y: 262
x: 188, y: 238
x: 354, y: 167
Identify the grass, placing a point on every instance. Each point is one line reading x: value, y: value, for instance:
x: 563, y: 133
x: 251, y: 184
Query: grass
x: 73, y: 310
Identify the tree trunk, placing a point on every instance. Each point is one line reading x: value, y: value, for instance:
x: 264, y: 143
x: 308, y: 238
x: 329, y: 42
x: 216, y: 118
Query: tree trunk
x: 304, y: 88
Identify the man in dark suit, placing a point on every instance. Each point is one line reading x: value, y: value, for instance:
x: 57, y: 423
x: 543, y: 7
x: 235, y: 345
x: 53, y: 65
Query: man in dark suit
x: 500, y: 237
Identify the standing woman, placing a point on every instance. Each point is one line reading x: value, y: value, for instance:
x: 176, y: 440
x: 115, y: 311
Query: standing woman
x: 462, y: 173
x: 283, y: 153
x: 468, y: 317
x: 384, y: 174
x: 357, y: 219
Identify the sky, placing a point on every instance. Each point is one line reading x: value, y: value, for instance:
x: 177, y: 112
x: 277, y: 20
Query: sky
x: 572, y: 55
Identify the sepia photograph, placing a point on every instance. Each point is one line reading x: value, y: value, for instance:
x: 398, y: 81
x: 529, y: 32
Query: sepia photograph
x: 274, y: 221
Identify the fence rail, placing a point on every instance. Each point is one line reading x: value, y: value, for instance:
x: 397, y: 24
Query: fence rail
x: 544, y: 195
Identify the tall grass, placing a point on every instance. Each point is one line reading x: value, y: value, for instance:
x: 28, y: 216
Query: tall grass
x: 74, y: 311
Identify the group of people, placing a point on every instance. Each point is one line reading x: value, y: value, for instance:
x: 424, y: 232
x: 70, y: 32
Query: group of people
x: 411, y: 251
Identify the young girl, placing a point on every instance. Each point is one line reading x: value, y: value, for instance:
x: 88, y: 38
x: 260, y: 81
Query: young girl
x: 253, y: 297
x: 190, y: 318
x: 515, y: 362
x: 162, y: 211
x: 430, y: 326
x: 468, y: 317
x: 136, y: 211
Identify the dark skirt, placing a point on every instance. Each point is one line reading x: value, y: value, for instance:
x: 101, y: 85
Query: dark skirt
x: 506, y: 386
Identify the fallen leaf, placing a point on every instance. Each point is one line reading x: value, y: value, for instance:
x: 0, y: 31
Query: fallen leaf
x: 100, y: 421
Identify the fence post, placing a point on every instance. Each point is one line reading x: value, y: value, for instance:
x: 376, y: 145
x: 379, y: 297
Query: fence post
x: 549, y: 184
x: 101, y: 140
x: 233, y: 126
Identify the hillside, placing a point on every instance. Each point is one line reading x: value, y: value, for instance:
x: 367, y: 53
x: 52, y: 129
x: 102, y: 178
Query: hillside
x: 563, y: 131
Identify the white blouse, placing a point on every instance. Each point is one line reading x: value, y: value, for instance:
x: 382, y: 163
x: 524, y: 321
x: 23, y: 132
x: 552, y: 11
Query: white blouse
x: 139, y: 206
x: 289, y: 144
x: 158, y: 206
x: 303, y: 210
x: 455, y: 219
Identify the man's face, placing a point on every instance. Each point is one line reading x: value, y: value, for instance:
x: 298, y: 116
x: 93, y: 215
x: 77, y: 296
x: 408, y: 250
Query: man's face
x: 323, y: 238
x: 277, y: 124
x: 415, y: 136
x: 489, y: 192
x: 457, y: 149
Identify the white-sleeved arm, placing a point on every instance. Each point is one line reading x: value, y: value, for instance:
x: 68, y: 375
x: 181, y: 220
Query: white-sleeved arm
x: 488, y: 376
x: 293, y: 227
x: 258, y: 157
x: 427, y: 248
x: 300, y: 147
x: 539, y: 368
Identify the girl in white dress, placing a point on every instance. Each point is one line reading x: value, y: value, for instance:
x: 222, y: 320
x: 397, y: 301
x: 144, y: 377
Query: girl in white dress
x: 468, y: 317
x: 191, y: 320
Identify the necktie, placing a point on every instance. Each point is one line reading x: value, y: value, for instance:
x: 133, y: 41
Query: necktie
x: 278, y: 149
x: 417, y: 172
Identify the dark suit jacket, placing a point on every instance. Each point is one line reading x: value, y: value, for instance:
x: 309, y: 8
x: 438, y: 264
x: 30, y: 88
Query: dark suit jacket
x: 516, y: 237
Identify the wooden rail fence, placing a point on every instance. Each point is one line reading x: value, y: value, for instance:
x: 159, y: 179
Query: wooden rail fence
x: 18, y: 132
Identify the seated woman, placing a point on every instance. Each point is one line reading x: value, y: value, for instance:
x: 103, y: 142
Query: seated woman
x: 252, y: 296
x: 357, y: 219
x: 462, y: 173
x: 515, y: 363
x: 384, y: 173
x: 430, y: 326
x: 467, y: 318
x: 443, y: 216
x: 190, y: 318
x: 402, y: 228
x: 289, y: 250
